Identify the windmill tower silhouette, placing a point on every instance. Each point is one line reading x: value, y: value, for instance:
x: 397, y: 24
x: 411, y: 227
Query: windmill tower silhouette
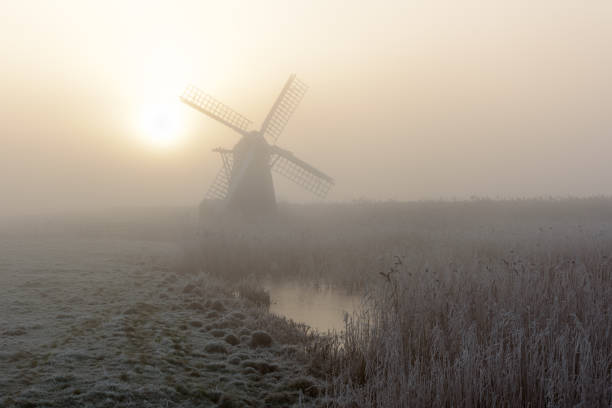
x: 244, y: 182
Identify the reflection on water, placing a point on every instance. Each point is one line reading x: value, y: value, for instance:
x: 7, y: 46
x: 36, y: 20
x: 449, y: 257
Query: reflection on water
x: 321, y: 309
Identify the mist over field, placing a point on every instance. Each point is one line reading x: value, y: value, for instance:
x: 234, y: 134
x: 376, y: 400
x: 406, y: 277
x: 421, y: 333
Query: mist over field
x: 422, y: 217
x: 407, y: 100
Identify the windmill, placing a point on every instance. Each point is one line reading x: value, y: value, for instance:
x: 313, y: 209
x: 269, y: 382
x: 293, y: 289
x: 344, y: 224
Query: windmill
x: 244, y: 181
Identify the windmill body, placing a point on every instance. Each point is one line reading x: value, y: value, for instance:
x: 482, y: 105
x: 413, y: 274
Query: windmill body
x: 244, y: 182
x: 251, y: 188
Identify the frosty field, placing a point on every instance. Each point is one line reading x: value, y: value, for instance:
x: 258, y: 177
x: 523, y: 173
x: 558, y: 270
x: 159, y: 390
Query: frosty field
x: 462, y: 304
x: 104, y: 321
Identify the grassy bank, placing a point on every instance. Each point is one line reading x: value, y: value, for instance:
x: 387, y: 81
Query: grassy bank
x: 109, y: 323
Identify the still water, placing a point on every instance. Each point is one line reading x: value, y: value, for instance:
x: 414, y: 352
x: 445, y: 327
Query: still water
x: 321, y: 309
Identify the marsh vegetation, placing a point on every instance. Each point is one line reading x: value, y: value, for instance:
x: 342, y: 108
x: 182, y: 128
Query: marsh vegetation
x: 479, y: 303
x: 475, y: 303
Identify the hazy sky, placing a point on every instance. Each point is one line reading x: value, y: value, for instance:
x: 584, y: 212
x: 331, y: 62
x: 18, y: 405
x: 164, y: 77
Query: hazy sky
x: 419, y: 99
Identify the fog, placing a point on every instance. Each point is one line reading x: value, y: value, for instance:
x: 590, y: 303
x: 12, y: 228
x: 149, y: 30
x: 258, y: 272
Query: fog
x: 407, y: 100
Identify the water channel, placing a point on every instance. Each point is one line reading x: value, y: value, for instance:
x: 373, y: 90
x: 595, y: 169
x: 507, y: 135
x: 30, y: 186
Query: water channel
x: 323, y: 309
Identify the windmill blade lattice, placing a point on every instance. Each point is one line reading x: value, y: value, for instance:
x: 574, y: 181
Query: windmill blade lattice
x: 220, y: 185
x: 286, y: 164
x: 286, y: 103
x: 208, y: 105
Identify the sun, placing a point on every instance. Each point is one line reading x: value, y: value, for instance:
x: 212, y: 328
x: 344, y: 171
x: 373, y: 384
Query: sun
x: 159, y: 124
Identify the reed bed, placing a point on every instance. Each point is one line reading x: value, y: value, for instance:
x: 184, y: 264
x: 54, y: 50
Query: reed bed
x: 467, y: 304
x: 530, y: 328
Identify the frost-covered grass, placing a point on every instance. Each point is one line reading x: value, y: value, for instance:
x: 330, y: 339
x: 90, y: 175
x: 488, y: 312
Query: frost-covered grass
x: 110, y: 323
x: 527, y: 329
x: 480, y: 303
x: 346, y: 245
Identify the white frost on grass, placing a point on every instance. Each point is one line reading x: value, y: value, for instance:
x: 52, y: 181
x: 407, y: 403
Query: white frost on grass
x: 105, y: 323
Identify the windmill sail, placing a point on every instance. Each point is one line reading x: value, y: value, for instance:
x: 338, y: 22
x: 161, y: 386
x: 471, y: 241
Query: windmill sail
x: 221, y: 184
x: 219, y: 187
x: 283, y: 108
x: 303, y: 174
x: 210, y: 106
x: 244, y: 182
